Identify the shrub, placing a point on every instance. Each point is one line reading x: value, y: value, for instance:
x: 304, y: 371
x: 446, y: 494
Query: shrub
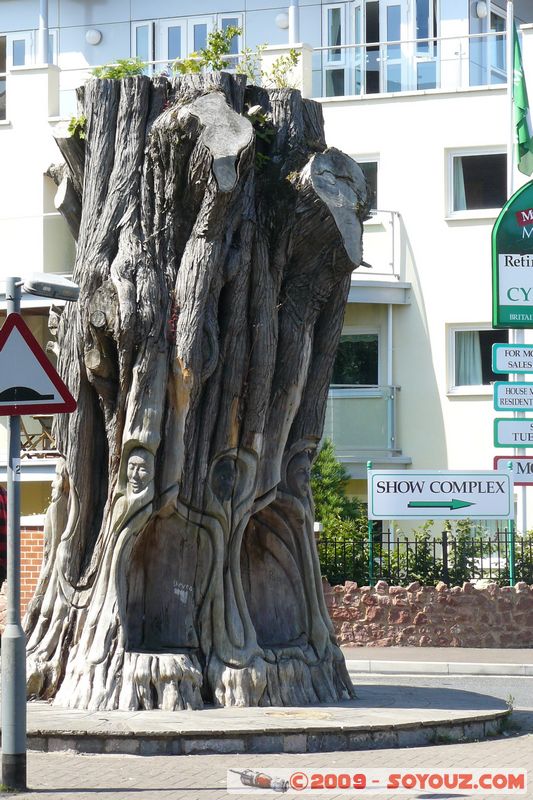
x: 122, y: 68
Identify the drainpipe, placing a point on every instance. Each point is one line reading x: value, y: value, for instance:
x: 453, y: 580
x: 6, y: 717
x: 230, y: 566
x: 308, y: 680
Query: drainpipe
x: 391, y: 390
x: 294, y: 22
x: 42, y: 34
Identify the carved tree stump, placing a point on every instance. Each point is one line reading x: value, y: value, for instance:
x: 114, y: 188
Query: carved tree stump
x: 214, y: 256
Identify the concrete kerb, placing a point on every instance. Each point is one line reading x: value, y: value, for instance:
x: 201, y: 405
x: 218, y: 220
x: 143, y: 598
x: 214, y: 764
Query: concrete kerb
x: 297, y: 741
x: 380, y: 667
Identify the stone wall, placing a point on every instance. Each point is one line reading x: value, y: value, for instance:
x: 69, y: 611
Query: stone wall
x: 428, y: 616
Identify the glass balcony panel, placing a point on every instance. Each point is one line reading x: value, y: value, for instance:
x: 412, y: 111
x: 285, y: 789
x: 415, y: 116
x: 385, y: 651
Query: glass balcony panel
x: 174, y: 42
x: 394, y: 77
x: 372, y: 70
x: 360, y: 419
x: 418, y: 64
x: 335, y: 83
x: 426, y: 75
x: 2, y: 98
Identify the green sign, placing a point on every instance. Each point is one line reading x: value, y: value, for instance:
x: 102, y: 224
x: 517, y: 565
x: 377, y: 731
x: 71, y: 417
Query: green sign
x: 512, y: 262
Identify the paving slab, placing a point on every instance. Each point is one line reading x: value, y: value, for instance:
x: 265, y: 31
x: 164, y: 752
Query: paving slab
x: 353, y: 725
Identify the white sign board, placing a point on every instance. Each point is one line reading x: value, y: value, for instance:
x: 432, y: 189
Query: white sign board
x: 513, y: 432
x: 436, y: 495
x: 516, y: 396
x: 522, y: 467
x: 516, y: 358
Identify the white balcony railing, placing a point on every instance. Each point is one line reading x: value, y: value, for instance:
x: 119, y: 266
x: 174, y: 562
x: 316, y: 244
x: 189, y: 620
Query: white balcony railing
x: 444, y: 62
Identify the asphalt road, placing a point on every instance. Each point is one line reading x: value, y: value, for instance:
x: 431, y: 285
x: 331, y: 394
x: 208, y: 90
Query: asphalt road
x: 520, y: 689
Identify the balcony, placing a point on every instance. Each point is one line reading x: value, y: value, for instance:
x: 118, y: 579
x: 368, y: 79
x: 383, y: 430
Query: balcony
x: 410, y: 65
x: 361, y: 423
x: 36, y: 440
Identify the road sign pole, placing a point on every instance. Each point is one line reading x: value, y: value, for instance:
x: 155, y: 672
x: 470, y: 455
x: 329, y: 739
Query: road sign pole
x: 13, y: 638
x: 511, y: 545
x: 370, y: 537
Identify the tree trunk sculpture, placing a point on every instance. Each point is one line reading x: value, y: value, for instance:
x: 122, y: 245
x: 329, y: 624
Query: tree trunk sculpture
x: 216, y: 237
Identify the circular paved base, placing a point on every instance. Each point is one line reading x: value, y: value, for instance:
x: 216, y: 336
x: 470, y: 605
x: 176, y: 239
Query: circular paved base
x: 381, y: 716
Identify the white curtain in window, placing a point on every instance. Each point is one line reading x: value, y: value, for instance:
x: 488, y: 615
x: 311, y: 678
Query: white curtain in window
x: 459, y: 195
x: 334, y: 32
x: 468, y: 359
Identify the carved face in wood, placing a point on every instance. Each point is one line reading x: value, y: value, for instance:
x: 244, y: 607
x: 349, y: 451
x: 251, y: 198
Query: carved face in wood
x: 298, y: 474
x: 60, y: 480
x: 140, y: 469
x: 224, y: 476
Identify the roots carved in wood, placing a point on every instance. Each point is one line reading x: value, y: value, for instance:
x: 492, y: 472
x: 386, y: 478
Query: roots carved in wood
x: 180, y: 564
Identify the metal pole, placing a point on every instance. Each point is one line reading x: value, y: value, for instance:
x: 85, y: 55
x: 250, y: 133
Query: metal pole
x: 510, y: 97
x: 13, y: 638
x: 370, y: 540
x: 511, y: 544
x: 42, y: 33
x: 294, y: 22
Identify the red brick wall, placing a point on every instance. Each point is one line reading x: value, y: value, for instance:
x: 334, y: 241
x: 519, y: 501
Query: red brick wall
x: 31, y: 555
x: 432, y: 616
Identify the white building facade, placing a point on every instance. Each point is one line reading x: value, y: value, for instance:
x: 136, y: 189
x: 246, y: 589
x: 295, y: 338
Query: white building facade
x: 415, y: 91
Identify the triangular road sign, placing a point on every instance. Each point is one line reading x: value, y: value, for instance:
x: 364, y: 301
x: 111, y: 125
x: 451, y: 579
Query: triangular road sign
x: 29, y: 384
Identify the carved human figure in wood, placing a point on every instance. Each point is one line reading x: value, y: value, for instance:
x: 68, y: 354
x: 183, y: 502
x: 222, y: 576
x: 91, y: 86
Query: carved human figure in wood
x: 212, y: 289
x: 140, y: 470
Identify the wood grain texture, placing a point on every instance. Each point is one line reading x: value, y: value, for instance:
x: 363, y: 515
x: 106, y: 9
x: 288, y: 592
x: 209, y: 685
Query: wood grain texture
x: 181, y: 564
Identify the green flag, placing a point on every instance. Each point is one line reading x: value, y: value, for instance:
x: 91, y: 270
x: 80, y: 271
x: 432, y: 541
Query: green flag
x: 522, y: 119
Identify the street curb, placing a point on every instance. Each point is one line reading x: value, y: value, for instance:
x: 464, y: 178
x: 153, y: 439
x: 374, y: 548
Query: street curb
x: 296, y: 740
x: 436, y: 668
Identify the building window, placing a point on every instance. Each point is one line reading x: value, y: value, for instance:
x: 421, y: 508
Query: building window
x: 3, y: 70
x: 471, y: 351
x: 171, y: 39
x: 15, y: 51
x: 334, y: 28
x: 479, y: 181
x: 356, y: 363
x: 370, y: 171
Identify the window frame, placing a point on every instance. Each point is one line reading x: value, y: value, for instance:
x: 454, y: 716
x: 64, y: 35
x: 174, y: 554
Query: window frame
x: 145, y: 23
x: 161, y: 38
x: 460, y: 152
x: 341, y: 390
x: 469, y: 390
x: 328, y: 64
x: 494, y: 69
x: 371, y: 158
x: 10, y: 39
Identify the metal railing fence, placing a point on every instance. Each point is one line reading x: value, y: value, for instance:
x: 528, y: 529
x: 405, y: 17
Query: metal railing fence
x: 453, y: 559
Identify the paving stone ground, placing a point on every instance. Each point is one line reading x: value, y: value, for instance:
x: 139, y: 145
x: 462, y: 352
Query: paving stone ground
x: 69, y: 776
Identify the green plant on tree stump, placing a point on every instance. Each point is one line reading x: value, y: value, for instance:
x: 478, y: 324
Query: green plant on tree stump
x: 77, y: 126
x: 121, y: 68
x: 279, y: 75
x: 213, y: 55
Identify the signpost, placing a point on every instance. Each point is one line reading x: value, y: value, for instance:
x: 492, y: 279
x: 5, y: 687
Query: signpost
x: 28, y: 384
x: 512, y: 262
x: 513, y: 396
x: 515, y: 358
x: 513, y: 432
x: 440, y: 495
x: 522, y: 467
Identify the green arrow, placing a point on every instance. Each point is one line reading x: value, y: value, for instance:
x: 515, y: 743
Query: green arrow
x: 451, y: 504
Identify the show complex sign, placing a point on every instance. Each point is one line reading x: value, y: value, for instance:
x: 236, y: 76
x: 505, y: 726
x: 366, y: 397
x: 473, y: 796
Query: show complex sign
x: 512, y: 262
x: 440, y: 495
